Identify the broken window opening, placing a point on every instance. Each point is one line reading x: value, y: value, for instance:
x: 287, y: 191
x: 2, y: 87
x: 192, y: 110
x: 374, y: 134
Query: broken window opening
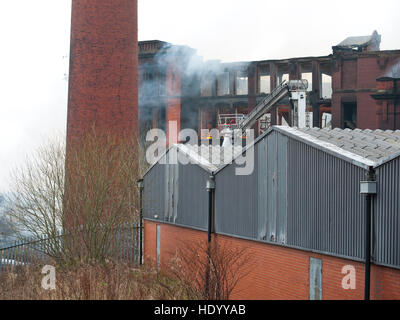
x: 326, y: 120
x: 282, y: 77
x: 264, y: 79
x: 152, y: 84
x: 206, y: 86
x: 242, y: 83
x: 265, y: 84
x: 223, y: 84
x: 147, y: 76
x: 326, y: 88
x: 307, y: 76
x: 350, y: 115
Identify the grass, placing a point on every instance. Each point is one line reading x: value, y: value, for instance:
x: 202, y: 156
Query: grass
x: 109, y: 281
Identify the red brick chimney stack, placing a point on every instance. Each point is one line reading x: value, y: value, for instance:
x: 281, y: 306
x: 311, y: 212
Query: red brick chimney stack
x: 103, y: 89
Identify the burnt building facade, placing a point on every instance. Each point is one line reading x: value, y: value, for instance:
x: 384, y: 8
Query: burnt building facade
x: 387, y: 97
x: 175, y: 84
x: 358, y: 74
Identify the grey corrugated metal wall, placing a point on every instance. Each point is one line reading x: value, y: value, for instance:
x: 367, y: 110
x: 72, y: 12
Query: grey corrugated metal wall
x: 154, y: 192
x: 271, y: 171
x: 255, y: 206
x: 193, y: 196
x: 236, y: 202
x: 171, y: 190
x: 297, y: 195
x: 325, y: 208
x: 177, y: 194
x: 387, y: 220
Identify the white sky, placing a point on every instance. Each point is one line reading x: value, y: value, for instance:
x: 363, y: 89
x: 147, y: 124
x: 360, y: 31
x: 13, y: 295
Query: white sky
x: 34, y: 40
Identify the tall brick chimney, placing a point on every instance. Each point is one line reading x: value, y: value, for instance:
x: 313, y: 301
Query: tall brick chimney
x: 103, y: 89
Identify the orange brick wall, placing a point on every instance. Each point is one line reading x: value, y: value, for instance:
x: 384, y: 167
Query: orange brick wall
x: 278, y: 272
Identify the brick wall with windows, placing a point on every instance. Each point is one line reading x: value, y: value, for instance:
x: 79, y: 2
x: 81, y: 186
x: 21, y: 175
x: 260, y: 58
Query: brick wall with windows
x: 354, y: 80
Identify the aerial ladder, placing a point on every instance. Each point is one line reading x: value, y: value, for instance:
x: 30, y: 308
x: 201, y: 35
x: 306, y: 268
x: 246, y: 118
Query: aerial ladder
x: 297, y: 92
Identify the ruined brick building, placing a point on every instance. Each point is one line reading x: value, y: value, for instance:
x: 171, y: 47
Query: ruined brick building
x: 354, y: 87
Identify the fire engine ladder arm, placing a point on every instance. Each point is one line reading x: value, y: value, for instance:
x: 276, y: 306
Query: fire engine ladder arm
x: 266, y: 105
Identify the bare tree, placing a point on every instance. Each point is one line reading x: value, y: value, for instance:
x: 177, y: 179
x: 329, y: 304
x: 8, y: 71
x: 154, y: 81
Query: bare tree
x: 38, y: 191
x: 88, y: 194
x: 210, y: 270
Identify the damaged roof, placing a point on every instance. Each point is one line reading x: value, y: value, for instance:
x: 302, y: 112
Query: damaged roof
x: 393, y: 72
x: 355, y: 41
x: 361, y: 41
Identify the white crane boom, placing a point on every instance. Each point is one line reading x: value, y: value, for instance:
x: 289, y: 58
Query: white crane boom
x: 297, y: 91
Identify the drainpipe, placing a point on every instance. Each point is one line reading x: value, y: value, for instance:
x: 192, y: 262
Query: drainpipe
x: 140, y: 185
x: 210, y: 188
x: 368, y: 188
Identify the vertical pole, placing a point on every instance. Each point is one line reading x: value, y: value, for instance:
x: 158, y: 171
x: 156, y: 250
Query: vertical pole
x: 368, y: 198
x: 141, y: 229
x: 141, y: 187
x: 368, y: 224
x: 315, y: 93
x: 210, y: 208
x: 210, y: 188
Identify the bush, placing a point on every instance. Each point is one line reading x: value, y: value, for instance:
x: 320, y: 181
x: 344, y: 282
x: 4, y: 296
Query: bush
x: 210, y: 271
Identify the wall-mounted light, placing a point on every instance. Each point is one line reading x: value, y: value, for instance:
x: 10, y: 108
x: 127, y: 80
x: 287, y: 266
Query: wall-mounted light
x: 140, y: 184
x: 368, y: 187
x: 210, y: 185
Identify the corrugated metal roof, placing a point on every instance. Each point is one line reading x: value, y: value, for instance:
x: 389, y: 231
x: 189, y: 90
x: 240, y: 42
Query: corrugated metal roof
x: 197, y: 154
x: 211, y: 156
x: 208, y: 157
x: 366, y: 148
x: 375, y: 146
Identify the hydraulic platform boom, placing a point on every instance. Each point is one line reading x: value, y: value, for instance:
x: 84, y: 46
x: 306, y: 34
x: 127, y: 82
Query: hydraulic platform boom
x: 265, y: 106
x: 295, y: 89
